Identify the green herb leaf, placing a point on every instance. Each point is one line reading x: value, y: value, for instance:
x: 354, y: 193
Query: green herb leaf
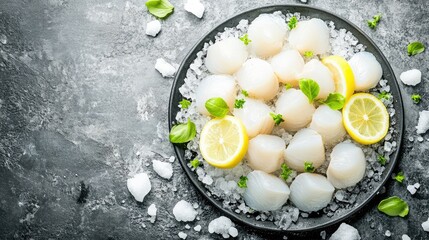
x: 393, y: 206
x: 416, y: 98
x: 381, y: 159
x: 159, y: 8
x: 195, y: 163
x: 183, y: 133
x: 245, y: 93
x: 308, y: 167
x: 308, y: 54
x: 286, y: 172
x: 239, y: 103
x: 217, y: 107
x: 278, y: 118
x: 400, y: 177
x: 242, y: 183
x: 293, y: 21
x: 245, y: 39
x: 185, y: 103
x: 310, y: 88
x: 415, y: 48
x: 384, y: 95
x: 374, y: 21
x: 335, y: 101
x: 288, y: 86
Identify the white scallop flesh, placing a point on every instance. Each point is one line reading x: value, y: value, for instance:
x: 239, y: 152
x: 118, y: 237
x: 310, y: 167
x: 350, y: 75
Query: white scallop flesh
x: 315, y: 70
x: 287, y: 66
x: 347, y: 165
x: 310, y: 35
x: 366, y: 69
x: 257, y: 77
x: 305, y: 146
x: 329, y: 124
x: 222, y: 86
x: 265, y: 192
x: 267, y: 34
x: 255, y: 116
x: 295, y: 108
x: 265, y: 153
x: 226, y: 56
x: 311, y: 192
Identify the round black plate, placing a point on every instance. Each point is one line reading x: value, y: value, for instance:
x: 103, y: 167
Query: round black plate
x: 312, y: 223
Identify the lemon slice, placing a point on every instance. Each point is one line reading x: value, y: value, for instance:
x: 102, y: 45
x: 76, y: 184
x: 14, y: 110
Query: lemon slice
x: 365, y: 118
x: 224, y: 142
x: 343, y: 75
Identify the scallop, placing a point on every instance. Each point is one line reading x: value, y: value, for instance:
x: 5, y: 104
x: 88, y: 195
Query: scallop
x: 315, y: 70
x: 311, y: 192
x: 287, y: 66
x: 265, y: 153
x: 267, y: 34
x: 347, y: 165
x: 305, y: 146
x: 257, y: 77
x: 367, y: 70
x: 265, y: 192
x: 310, y: 35
x: 226, y: 56
x: 293, y: 105
x: 222, y: 86
x: 255, y: 116
x: 329, y: 124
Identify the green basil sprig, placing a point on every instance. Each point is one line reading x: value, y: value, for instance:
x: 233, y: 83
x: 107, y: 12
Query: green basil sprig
x: 183, y: 132
x: 217, y: 107
x: 159, y: 8
x: 310, y: 88
x: 394, y: 206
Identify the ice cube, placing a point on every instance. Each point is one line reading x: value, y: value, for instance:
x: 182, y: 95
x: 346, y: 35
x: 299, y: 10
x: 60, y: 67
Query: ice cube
x: 166, y: 69
x: 183, y: 235
x: 222, y: 226
x: 153, y: 28
x: 411, y: 77
x: 152, y: 210
x: 139, y: 186
x: 405, y: 237
x: 163, y: 169
x: 195, y: 7
x: 423, y: 124
x: 411, y: 189
x: 183, y: 211
x: 345, y: 232
x: 197, y: 228
x: 425, y: 225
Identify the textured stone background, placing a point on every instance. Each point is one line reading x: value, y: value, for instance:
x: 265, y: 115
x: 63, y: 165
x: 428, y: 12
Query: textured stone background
x: 82, y: 107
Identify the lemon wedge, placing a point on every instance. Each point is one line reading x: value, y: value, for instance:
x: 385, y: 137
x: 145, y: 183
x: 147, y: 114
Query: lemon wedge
x: 365, y: 118
x: 343, y: 75
x: 224, y: 142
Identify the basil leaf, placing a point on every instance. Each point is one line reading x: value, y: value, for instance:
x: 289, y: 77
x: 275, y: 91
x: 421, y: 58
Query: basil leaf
x: 183, y: 132
x: 159, y: 8
x: 415, y: 48
x: 394, y: 206
x: 310, y: 88
x: 217, y: 107
x: 335, y: 101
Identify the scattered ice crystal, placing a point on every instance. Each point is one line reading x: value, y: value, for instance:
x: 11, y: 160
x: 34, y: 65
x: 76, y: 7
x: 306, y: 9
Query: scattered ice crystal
x: 165, y: 68
x: 139, y: 186
x: 195, y: 7
x: 183, y: 211
x: 171, y: 159
x: 412, y: 189
x: 197, y: 228
x: 163, y: 169
x: 223, y: 226
x: 152, y: 212
x: 425, y: 225
x: 187, y: 226
x: 423, y: 124
x: 416, y: 185
x: 183, y: 235
x: 323, y: 235
x: 387, y: 233
x: 405, y: 237
x: 153, y: 28
x: 345, y: 232
x: 411, y: 77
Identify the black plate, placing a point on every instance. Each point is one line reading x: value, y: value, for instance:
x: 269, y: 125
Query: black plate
x: 306, y: 224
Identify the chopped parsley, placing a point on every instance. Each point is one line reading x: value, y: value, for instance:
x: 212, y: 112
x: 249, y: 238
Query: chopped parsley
x: 239, y: 103
x: 292, y: 22
x: 278, y: 118
x: 286, y: 172
x: 372, y: 23
x: 308, y: 167
x: 288, y: 86
x: 242, y: 183
x: 185, y: 103
x: 245, y: 39
x: 384, y: 95
x: 308, y: 54
x: 195, y: 163
x: 245, y: 93
x: 416, y: 98
x: 400, y: 177
x: 381, y: 159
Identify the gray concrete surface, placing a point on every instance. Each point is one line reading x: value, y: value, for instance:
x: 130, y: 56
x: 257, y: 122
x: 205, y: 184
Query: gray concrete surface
x: 82, y: 108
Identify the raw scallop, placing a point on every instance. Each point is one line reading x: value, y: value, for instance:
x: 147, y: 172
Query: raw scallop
x: 367, y: 70
x: 255, y: 116
x: 329, y: 124
x: 222, y: 86
x: 318, y: 72
x: 287, y: 65
x: 265, y: 153
x: 310, y: 35
x: 226, y: 56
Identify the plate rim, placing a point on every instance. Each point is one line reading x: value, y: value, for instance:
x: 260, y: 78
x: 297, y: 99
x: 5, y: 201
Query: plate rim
x: 395, y: 156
